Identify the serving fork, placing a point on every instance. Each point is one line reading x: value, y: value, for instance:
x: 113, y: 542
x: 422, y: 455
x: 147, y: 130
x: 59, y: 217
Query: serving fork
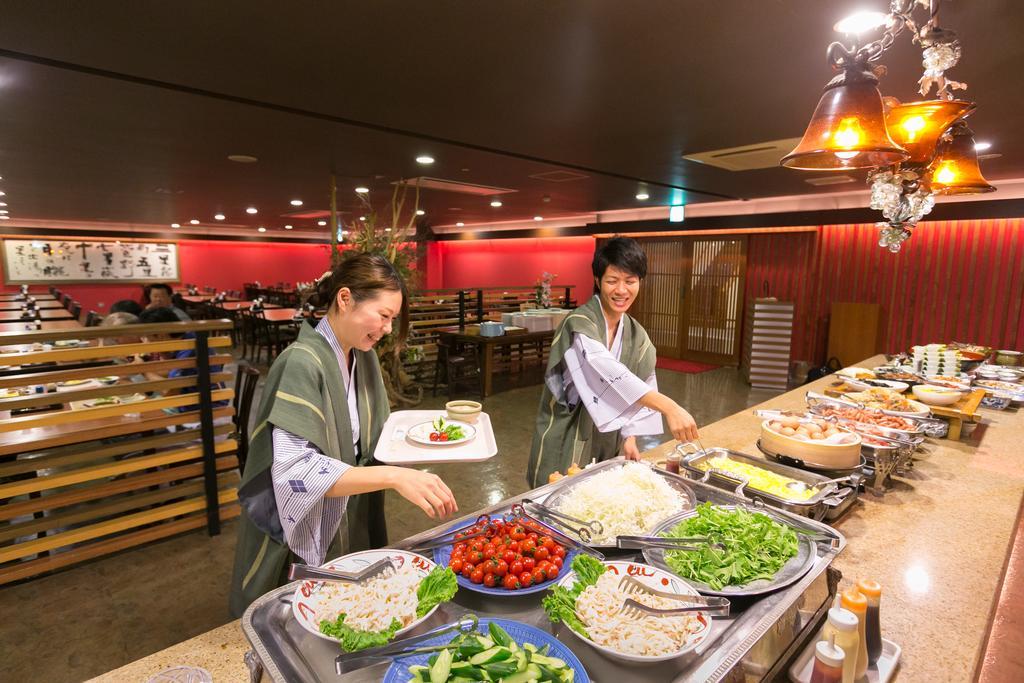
x: 302, y: 572
x: 633, y: 609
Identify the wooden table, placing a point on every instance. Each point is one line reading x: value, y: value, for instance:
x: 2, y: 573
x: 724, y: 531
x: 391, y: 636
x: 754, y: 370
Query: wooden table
x: 45, y: 314
x: 16, y: 305
x: 239, y: 305
x: 202, y: 298
x: 38, y: 296
x: 486, y: 345
x: 10, y: 329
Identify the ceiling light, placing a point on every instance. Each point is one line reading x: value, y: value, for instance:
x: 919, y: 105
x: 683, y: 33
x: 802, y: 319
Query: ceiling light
x: 321, y: 223
x: 251, y: 210
x: 175, y: 225
x: 287, y: 227
x: 242, y: 158
x: 296, y: 202
x: 459, y: 224
x: 420, y: 212
x: 387, y: 229
x: 3, y: 211
x: 194, y: 222
x: 362, y: 218
x: 424, y: 159
x: 261, y: 229
x: 362, y: 190
x: 861, y: 21
x: 3, y: 194
x: 496, y: 203
x: 676, y: 214
x: 978, y: 147
x: 3, y: 203
x: 5, y: 218
x: 538, y: 218
x: 344, y: 232
x: 642, y: 196
x: 218, y: 216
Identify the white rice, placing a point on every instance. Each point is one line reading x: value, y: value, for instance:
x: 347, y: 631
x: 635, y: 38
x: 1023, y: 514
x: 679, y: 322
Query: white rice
x: 647, y: 636
x: 371, y: 606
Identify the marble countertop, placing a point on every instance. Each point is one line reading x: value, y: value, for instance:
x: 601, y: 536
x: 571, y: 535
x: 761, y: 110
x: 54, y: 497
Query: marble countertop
x: 936, y: 541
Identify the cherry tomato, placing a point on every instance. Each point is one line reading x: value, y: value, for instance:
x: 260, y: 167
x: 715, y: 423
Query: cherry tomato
x: 557, y: 561
x: 533, y: 536
x: 490, y: 580
x: 489, y: 550
x: 547, y: 542
x: 526, y: 579
x: 433, y: 436
x: 513, y: 546
x: 499, y: 550
x: 476, y: 557
x: 558, y: 551
x: 501, y: 568
x: 516, y: 567
x: 528, y: 546
x: 540, y: 553
x: 442, y: 437
x: 456, y: 565
x: 467, y: 569
x: 459, y: 547
x: 477, y: 576
x: 528, y: 564
x: 477, y: 544
x: 518, y: 533
x: 539, y: 576
x: 508, y: 556
x: 511, y: 582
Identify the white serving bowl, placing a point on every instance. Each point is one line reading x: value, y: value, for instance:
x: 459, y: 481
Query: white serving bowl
x: 659, y: 580
x: 936, y: 396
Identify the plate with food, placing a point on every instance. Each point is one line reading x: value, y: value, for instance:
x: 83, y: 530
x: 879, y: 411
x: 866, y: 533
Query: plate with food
x: 511, y: 558
x: 9, y: 393
x: 66, y: 343
x: 108, y: 380
x: 441, y: 432
x: 496, y: 650
x: 370, y: 614
x: 936, y: 395
x: 588, y: 598
x: 761, y: 552
x: 865, y: 384
x: 1016, y: 391
x: 626, y: 497
x: 73, y: 384
x: 855, y: 372
x: 887, y: 399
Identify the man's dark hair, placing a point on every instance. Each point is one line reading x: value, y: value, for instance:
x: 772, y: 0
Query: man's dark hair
x: 126, y: 306
x: 624, y: 253
x: 158, y: 285
x: 158, y: 315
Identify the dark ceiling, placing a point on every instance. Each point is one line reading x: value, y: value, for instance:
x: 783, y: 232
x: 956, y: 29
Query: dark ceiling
x: 126, y: 112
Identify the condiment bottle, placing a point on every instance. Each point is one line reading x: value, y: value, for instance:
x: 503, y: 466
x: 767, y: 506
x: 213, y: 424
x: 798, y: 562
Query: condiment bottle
x: 873, y: 628
x: 672, y: 461
x: 854, y: 601
x: 828, y: 663
x: 842, y: 627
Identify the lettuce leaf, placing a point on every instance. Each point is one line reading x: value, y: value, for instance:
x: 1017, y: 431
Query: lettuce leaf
x: 560, y: 604
x: 436, y: 587
x: 353, y: 639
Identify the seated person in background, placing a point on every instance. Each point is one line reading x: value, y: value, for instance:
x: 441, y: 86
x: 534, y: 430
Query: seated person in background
x: 120, y: 319
x: 126, y: 306
x: 159, y: 296
x: 165, y: 315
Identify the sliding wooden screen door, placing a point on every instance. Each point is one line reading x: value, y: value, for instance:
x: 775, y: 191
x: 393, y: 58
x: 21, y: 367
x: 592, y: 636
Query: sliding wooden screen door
x: 692, y: 300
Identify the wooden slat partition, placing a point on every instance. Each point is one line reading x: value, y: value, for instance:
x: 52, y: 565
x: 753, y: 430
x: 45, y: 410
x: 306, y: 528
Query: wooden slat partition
x: 77, y: 480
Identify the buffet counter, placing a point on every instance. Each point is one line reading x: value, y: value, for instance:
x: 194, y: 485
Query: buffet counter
x: 936, y: 541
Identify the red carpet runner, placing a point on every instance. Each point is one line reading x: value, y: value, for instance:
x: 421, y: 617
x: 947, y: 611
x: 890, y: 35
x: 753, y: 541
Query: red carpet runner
x: 683, y: 365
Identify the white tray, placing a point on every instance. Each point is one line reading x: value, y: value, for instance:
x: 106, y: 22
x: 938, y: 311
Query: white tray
x: 394, y: 448
x: 881, y: 672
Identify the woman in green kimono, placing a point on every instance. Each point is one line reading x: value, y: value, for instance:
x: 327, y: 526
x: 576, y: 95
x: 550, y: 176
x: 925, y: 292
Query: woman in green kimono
x: 320, y: 417
x: 600, y: 390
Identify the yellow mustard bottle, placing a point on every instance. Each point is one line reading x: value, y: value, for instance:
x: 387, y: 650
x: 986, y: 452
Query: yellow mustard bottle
x: 855, y: 601
x: 841, y: 626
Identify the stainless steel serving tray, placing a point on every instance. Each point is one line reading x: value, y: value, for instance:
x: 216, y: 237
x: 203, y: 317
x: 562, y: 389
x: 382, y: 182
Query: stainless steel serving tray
x: 813, y: 507
x: 753, y: 643
x: 926, y: 426
x: 564, y: 486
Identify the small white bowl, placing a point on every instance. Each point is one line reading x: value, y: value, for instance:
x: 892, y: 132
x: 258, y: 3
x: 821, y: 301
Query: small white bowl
x: 463, y: 411
x: 936, y: 396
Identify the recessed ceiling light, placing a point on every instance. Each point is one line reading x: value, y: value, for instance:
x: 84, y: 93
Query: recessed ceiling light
x: 252, y: 209
x: 321, y: 223
x: 496, y: 203
x: 362, y: 218
x: 459, y: 224
x: 3, y: 211
x: 194, y: 222
x: 261, y: 229
x: 362, y: 190
x: 3, y: 194
x: 5, y: 218
x: 642, y: 196
x: 296, y: 202
x: 175, y: 225
x: 218, y: 216
x: 242, y: 158
x: 421, y: 212
x: 387, y: 229
x: 862, y: 21
x: 424, y: 159
x: 538, y: 218
x: 981, y: 146
x: 287, y: 227
x: 3, y: 203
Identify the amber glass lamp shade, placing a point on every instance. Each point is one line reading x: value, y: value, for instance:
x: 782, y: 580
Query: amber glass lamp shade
x: 955, y: 169
x: 917, y: 126
x: 847, y: 130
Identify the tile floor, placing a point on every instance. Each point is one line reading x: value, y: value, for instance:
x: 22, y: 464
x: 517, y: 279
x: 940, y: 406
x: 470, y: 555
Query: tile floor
x: 89, y: 619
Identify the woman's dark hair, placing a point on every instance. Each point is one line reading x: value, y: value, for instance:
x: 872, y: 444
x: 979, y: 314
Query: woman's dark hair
x: 126, y: 306
x: 158, y: 315
x: 366, y: 276
x: 624, y: 253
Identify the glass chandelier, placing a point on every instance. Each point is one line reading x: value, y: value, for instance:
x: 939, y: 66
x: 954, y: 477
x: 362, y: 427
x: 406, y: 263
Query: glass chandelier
x: 914, y: 150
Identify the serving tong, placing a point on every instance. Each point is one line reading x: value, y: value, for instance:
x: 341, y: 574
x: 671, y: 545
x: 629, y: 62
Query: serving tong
x: 303, y: 572
x: 350, y: 661
x: 450, y: 537
x: 584, y: 529
x: 690, y: 543
x: 517, y: 513
x: 634, y: 609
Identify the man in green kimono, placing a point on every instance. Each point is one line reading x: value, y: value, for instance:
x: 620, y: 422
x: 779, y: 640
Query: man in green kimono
x: 601, y: 390
x: 310, y: 454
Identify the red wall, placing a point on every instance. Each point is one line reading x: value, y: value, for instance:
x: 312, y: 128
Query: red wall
x: 219, y: 264
x: 511, y: 262
x: 953, y: 281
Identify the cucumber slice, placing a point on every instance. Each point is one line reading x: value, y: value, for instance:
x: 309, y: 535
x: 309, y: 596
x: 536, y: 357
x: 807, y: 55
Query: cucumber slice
x: 440, y: 669
x: 532, y: 673
x: 499, y: 635
x: 495, y: 654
